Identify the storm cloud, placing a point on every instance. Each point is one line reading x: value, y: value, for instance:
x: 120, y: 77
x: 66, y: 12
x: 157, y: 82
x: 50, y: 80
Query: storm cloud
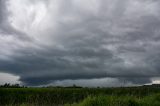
x: 76, y: 41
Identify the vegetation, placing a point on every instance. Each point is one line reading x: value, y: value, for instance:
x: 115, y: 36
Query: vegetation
x: 77, y: 96
x: 8, y: 85
x: 152, y: 100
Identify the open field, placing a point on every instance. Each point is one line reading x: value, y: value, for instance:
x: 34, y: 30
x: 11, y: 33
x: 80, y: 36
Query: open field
x: 134, y: 96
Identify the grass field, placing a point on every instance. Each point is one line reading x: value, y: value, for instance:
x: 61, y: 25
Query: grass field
x: 134, y: 96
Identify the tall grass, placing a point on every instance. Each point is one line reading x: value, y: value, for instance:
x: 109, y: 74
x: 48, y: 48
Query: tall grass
x: 152, y: 100
x: 78, y: 96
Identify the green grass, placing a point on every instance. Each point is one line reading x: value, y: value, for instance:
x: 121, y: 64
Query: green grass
x: 152, y: 100
x: 135, y: 96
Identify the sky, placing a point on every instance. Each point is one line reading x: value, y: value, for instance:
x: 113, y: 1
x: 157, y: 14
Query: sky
x: 84, y: 42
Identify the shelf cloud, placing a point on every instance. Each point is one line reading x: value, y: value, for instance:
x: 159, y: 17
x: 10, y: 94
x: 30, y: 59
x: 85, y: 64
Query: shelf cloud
x: 75, y: 41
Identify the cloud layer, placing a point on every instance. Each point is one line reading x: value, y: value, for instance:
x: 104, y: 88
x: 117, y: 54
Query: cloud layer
x: 45, y: 41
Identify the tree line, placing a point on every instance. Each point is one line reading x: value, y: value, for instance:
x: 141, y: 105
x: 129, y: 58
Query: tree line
x: 8, y: 85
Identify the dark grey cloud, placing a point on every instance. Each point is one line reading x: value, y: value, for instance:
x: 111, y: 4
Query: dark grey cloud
x: 77, y: 40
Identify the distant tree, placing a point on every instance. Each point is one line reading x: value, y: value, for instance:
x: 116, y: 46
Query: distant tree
x: 16, y: 86
x: 8, y: 85
x: 74, y: 86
